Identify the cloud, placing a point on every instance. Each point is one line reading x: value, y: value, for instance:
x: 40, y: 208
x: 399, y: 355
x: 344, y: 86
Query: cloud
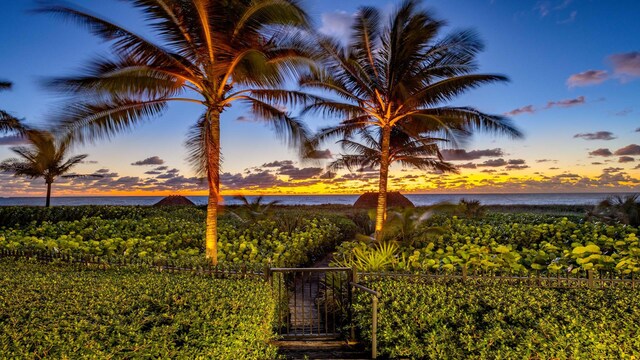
x: 278, y: 163
x: 153, y: 172
x: 580, y: 100
x: 301, y: 174
x: 600, y: 135
x: 638, y: 130
x: 161, y: 168
x: 632, y: 149
x: 586, y: 78
x: 262, y: 179
x: 516, y: 167
x: 626, y: 159
x: 468, y: 165
x: 461, y: 154
x: 337, y: 24
x: 494, y: 163
x: 571, y: 18
x: 624, y: 112
x: 13, y: 140
x: 328, y: 175
x: 544, y: 160
x: 516, y: 162
x: 528, y: 109
x: 626, y: 65
x: 320, y: 154
x: 154, y: 160
x: 601, y: 152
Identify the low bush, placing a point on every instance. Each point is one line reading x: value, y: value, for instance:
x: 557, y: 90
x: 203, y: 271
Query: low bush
x: 509, y: 243
x: 461, y: 321
x: 55, y: 311
x: 286, y: 238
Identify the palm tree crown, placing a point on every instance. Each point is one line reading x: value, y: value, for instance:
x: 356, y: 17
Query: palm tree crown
x: 209, y: 52
x: 401, y: 76
x: 8, y: 123
x: 421, y: 153
x: 43, y: 158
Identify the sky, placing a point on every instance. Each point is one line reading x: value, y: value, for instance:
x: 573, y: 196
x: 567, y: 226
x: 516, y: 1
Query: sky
x: 574, y: 67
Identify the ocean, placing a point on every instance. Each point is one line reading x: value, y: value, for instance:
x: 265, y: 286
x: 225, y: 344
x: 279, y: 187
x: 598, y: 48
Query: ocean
x: 417, y: 199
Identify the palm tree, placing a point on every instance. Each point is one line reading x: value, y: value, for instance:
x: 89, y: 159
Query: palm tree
x: 421, y: 152
x: 400, y: 77
x: 43, y: 158
x: 208, y: 52
x: 8, y: 123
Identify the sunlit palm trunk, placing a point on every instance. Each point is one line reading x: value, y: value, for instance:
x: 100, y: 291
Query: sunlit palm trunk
x: 213, y: 172
x: 381, y: 212
x: 48, y: 200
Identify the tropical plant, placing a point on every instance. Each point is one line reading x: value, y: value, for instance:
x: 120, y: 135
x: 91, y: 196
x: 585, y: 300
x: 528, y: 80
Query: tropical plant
x: 44, y: 157
x: 212, y: 53
x: 622, y: 209
x: 400, y: 77
x: 422, y: 153
x: 8, y: 123
x: 253, y: 210
x: 471, y: 209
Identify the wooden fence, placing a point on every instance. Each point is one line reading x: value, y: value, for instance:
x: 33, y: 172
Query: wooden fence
x: 586, y: 279
x: 96, y: 262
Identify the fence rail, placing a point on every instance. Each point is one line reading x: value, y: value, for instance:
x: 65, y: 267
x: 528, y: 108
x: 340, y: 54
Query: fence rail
x: 590, y: 279
x: 85, y: 261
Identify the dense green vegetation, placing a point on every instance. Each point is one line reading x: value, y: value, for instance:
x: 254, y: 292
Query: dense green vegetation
x: 458, y: 321
x: 56, y: 311
x: 286, y: 238
x: 511, y: 243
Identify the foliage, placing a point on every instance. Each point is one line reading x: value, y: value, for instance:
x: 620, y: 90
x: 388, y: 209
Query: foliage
x: 618, y: 209
x: 515, y: 244
x: 471, y: 209
x: 253, y: 210
x: 176, y: 234
x: 44, y: 157
x: 55, y: 311
x: 497, y: 321
x: 394, y: 80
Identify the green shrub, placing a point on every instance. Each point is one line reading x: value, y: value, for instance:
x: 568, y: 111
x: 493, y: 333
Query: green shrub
x: 516, y: 244
x: 288, y: 238
x: 462, y: 321
x: 55, y: 311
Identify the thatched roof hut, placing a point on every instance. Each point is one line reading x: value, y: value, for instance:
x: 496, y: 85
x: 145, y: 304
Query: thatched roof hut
x: 394, y: 199
x: 174, y: 200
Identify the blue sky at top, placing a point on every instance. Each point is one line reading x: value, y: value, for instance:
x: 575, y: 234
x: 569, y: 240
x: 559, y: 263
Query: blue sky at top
x: 538, y: 44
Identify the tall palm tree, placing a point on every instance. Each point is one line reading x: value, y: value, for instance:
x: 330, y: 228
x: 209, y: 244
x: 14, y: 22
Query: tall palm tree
x: 43, y: 158
x: 208, y: 52
x: 422, y: 153
x: 401, y: 76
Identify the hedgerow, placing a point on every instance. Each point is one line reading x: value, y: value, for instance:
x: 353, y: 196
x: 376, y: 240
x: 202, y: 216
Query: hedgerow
x: 499, y: 321
x: 509, y: 243
x: 177, y: 234
x: 55, y: 311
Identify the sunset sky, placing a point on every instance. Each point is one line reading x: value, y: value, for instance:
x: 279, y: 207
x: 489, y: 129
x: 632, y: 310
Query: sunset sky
x: 574, y: 67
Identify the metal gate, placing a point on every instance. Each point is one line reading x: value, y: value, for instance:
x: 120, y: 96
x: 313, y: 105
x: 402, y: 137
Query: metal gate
x: 312, y: 302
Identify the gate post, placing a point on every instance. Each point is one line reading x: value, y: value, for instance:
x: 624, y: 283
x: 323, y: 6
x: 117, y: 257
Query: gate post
x: 354, y: 280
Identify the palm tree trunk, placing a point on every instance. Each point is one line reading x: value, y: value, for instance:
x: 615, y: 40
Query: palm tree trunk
x: 213, y: 176
x: 381, y: 212
x: 48, y: 201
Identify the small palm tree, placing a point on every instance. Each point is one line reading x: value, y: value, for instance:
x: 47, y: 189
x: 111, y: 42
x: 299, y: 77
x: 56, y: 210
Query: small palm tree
x: 42, y: 158
x: 621, y: 209
x: 256, y: 209
x: 212, y: 53
x: 400, y: 76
